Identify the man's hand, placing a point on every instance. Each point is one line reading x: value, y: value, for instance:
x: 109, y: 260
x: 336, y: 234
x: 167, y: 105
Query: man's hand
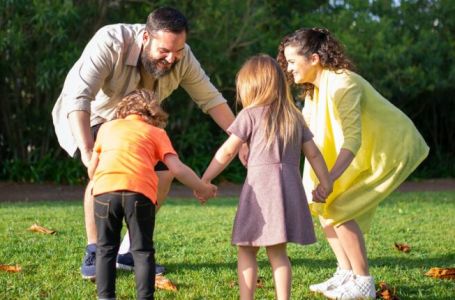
x: 86, y: 156
x: 243, y: 154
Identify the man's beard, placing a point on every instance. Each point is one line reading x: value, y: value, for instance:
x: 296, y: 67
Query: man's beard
x: 151, y: 65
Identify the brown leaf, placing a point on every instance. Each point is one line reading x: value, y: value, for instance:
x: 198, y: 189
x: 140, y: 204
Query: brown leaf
x: 403, y: 247
x: 163, y: 283
x: 259, y: 283
x: 385, y: 292
x: 444, y: 273
x: 12, y: 269
x: 41, y: 229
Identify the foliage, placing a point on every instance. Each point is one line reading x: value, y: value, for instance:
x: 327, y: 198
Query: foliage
x: 406, y: 49
x: 193, y: 242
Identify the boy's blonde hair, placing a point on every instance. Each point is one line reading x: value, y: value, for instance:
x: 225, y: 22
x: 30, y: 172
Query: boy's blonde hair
x: 142, y: 102
x: 261, y: 82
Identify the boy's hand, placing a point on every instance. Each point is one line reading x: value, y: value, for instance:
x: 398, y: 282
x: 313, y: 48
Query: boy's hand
x: 209, y: 191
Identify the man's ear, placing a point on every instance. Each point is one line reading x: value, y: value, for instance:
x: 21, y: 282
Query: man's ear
x: 145, y: 37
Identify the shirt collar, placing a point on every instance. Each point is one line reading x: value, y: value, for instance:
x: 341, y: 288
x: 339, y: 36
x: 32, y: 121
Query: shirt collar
x: 135, y: 50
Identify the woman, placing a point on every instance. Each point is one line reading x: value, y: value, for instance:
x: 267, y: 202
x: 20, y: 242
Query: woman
x: 369, y: 145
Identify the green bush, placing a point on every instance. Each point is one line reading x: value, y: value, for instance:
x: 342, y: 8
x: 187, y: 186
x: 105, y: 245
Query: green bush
x: 405, y: 50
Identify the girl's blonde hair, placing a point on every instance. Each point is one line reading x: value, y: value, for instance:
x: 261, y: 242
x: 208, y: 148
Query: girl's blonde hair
x: 142, y: 102
x: 261, y: 82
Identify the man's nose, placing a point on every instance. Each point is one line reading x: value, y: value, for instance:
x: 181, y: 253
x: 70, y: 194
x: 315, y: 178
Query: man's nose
x: 170, y: 58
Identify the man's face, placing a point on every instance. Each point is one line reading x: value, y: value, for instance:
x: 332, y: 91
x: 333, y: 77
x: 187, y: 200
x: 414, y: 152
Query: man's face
x: 161, y: 51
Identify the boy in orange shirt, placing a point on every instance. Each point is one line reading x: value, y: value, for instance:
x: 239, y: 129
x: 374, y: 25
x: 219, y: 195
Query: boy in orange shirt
x: 125, y: 186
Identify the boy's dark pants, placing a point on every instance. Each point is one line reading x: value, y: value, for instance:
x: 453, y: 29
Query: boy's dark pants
x: 139, y: 213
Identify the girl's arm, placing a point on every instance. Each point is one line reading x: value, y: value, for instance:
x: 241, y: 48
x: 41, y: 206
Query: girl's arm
x: 93, y: 164
x: 317, y: 162
x: 223, y: 157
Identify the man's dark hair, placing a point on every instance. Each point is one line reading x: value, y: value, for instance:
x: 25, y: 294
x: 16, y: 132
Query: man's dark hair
x: 167, y: 19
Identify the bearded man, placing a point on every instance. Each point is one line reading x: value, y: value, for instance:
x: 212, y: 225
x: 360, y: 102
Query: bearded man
x: 117, y: 60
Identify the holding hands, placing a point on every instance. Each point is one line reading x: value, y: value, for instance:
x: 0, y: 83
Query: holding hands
x: 207, y: 191
x: 321, y: 192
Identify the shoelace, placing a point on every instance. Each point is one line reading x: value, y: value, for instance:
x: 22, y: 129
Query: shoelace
x: 90, y: 258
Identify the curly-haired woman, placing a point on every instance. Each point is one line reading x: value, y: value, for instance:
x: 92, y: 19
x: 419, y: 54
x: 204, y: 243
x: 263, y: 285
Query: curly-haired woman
x: 369, y: 145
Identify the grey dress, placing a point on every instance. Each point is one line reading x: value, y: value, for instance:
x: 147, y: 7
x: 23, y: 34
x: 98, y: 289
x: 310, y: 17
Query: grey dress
x: 272, y: 206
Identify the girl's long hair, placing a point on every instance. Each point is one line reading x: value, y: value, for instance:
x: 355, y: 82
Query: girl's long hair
x: 318, y: 41
x: 261, y: 82
x: 142, y: 102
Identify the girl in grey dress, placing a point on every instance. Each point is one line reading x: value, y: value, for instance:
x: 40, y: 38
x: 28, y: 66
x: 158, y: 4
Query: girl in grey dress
x: 272, y: 208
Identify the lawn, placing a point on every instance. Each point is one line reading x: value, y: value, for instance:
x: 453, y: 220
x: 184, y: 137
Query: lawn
x: 193, y: 242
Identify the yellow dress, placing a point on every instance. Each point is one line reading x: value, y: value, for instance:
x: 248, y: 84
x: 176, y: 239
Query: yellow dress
x: 347, y: 112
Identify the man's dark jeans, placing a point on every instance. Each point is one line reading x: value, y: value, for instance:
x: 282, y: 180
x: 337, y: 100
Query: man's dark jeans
x: 139, y: 213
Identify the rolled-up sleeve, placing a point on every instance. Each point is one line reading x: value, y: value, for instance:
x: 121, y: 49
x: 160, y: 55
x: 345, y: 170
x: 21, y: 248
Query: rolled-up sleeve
x: 88, y: 74
x: 347, y: 100
x: 197, y: 84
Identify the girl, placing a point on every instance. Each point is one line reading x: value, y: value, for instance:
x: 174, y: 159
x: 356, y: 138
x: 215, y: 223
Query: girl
x: 272, y: 208
x: 369, y: 145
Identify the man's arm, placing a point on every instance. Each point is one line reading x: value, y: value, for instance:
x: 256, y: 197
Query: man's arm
x: 222, y: 115
x: 80, y: 127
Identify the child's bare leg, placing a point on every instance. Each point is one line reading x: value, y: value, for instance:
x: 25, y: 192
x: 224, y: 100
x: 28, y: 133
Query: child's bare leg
x: 335, y: 244
x: 247, y: 267
x: 89, y: 214
x: 282, y: 273
x: 351, y: 239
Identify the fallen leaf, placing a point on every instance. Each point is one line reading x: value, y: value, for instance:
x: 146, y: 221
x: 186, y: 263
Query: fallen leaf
x: 163, y: 283
x: 385, y: 292
x: 41, y: 229
x: 403, y: 247
x: 259, y: 283
x: 12, y: 269
x: 444, y: 273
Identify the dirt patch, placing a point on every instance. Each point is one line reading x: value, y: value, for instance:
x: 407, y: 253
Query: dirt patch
x: 14, y: 192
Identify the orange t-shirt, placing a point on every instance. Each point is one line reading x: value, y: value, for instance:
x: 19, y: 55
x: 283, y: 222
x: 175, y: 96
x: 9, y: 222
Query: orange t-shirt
x: 129, y: 149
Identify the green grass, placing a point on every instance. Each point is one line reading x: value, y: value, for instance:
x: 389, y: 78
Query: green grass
x: 193, y: 242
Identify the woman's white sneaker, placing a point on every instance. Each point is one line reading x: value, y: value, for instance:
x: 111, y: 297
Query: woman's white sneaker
x: 339, y: 277
x: 357, y: 288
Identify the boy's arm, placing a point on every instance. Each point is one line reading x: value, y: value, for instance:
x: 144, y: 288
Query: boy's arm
x: 185, y: 175
x: 319, y: 166
x: 93, y: 164
x: 223, y: 157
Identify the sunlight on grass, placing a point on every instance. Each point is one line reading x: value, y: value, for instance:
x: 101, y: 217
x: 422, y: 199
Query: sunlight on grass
x: 193, y: 242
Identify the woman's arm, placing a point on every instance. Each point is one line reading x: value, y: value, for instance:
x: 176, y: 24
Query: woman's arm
x: 319, y: 166
x: 342, y: 162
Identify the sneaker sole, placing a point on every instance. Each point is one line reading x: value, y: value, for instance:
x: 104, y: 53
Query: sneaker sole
x: 91, y: 278
x: 124, y: 267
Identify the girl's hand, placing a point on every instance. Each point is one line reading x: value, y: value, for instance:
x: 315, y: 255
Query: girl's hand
x: 203, y: 195
x: 320, y: 194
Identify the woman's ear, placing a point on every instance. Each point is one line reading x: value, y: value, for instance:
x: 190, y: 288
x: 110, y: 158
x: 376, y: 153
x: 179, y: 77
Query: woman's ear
x: 315, y: 60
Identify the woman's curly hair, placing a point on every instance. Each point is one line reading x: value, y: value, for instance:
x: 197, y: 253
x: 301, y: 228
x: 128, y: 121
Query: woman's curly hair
x: 143, y: 102
x: 314, y: 41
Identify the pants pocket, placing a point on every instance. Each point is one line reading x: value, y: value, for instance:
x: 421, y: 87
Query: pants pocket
x: 102, y: 208
x: 144, y: 210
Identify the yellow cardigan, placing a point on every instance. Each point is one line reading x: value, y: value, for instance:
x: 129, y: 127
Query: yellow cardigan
x: 347, y: 112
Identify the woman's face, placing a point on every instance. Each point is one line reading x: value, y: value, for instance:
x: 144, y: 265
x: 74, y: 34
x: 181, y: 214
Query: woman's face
x: 303, y: 69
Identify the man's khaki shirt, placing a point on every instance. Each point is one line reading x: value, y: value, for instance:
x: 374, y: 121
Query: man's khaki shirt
x: 108, y: 70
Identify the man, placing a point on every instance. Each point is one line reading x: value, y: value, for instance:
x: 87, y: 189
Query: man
x: 117, y: 60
